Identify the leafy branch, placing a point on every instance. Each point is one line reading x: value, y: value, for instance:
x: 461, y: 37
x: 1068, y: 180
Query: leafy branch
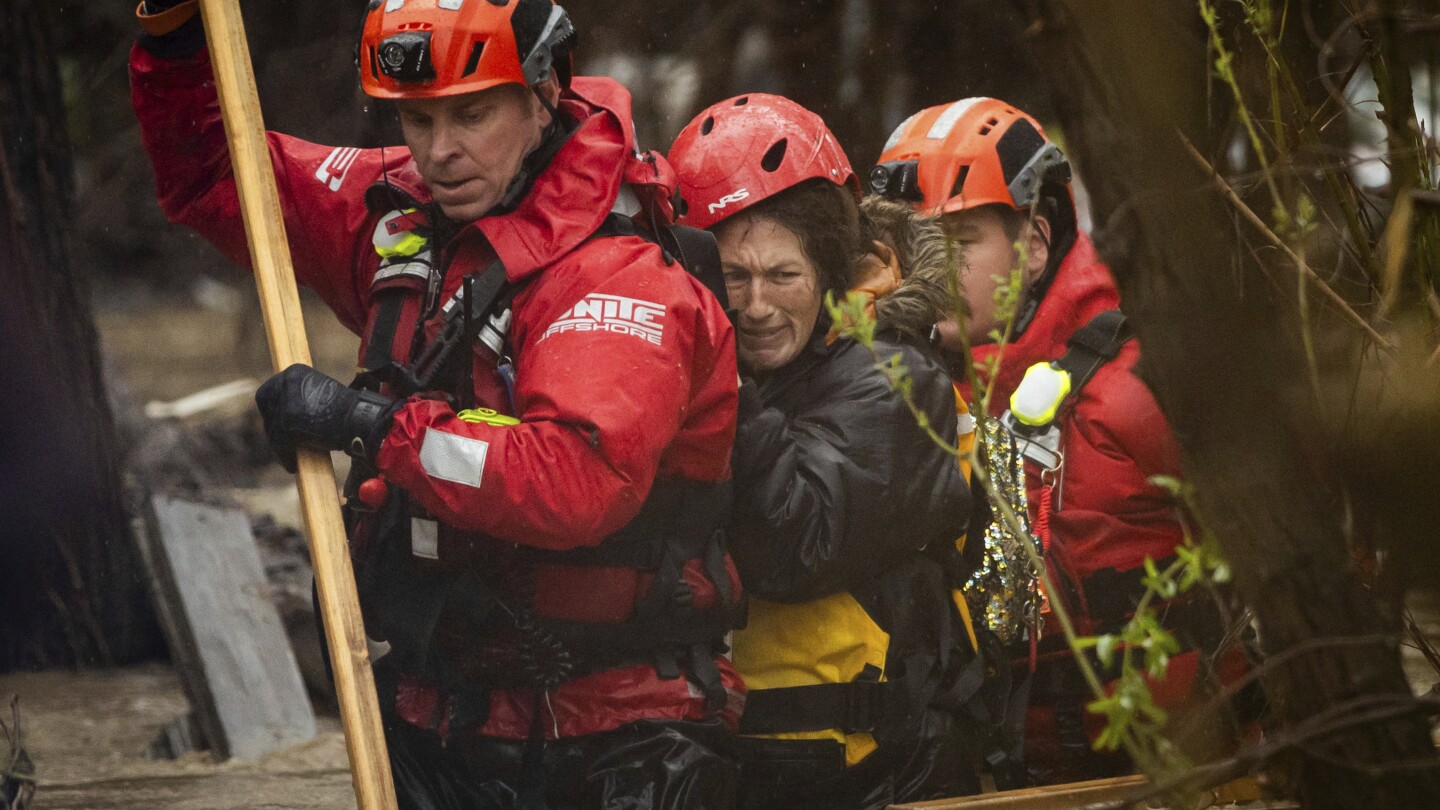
x: 1134, y: 721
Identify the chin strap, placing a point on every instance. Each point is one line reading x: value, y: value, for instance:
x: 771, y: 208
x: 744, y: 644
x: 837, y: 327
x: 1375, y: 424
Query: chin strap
x: 1056, y: 252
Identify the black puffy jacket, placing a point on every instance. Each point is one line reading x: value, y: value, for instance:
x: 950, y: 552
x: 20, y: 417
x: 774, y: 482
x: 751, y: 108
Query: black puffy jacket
x: 835, y: 480
x: 846, y: 512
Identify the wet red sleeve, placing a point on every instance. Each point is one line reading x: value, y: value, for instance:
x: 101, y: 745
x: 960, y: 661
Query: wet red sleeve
x: 321, y: 188
x: 607, y: 348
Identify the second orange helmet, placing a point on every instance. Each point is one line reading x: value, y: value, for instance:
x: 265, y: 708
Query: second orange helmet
x: 973, y: 152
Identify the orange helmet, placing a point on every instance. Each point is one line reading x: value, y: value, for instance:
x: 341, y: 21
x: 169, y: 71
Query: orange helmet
x: 974, y: 152
x: 432, y: 48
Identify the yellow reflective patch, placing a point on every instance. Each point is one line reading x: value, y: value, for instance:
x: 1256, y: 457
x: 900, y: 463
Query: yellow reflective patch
x: 408, y: 245
x: 404, y: 243
x: 486, y: 416
x: 830, y: 640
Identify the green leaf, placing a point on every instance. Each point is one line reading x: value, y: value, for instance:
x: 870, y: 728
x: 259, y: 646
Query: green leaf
x: 1170, y: 484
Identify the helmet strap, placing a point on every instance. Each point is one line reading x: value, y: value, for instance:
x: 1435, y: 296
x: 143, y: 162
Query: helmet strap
x: 1057, y: 247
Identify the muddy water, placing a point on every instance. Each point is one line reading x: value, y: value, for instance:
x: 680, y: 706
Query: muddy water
x: 88, y: 734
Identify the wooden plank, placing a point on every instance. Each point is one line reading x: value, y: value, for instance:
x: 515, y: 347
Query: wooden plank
x: 1243, y: 792
x: 228, y: 642
x: 1047, y: 797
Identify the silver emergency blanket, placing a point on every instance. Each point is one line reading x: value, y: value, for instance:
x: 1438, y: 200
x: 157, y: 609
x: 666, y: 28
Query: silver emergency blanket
x: 1002, y: 591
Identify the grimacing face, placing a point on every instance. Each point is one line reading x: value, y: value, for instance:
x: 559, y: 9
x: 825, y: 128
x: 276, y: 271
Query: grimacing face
x: 774, y: 288
x: 469, y: 147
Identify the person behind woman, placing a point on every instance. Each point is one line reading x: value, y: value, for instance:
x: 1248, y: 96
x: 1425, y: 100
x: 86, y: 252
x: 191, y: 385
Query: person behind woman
x: 847, y: 512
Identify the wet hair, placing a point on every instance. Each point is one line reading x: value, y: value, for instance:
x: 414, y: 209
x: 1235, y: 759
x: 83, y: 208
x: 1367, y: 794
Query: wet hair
x: 826, y: 220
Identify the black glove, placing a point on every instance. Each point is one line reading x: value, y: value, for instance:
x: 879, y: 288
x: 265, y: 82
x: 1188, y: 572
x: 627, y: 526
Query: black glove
x: 301, y: 406
x: 178, y: 43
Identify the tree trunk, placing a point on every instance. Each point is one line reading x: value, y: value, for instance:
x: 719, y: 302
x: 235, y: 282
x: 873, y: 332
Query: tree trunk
x: 73, y: 590
x: 1224, y: 356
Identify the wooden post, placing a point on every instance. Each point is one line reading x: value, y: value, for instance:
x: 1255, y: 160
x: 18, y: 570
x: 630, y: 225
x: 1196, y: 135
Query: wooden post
x: 280, y: 303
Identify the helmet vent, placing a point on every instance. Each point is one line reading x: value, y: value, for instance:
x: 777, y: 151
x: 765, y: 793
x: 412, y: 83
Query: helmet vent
x: 742, y: 101
x: 985, y: 130
x: 774, y: 155
x: 474, y: 61
x: 707, y: 125
x: 960, y: 180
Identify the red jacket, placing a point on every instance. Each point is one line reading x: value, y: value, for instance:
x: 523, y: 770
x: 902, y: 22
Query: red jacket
x: 1106, y: 513
x: 604, y: 413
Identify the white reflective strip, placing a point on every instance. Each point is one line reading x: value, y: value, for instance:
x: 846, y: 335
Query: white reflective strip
x: 425, y: 538
x: 343, y: 164
x: 895, y: 136
x: 451, y: 5
x: 626, y: 203
x: 332, y: 172
x: 965, y: 424
x: 947, y: 119
x: 417, y: 269
x: 458, y: 459
x: 394, y: 5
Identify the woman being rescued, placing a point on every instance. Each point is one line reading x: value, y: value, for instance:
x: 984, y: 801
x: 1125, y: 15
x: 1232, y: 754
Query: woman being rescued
x: 847, y: 512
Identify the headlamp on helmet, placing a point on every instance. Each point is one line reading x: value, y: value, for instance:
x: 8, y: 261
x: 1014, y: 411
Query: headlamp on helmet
x: 434, y: 48
x: 897, y: 180
x: 406, y: 57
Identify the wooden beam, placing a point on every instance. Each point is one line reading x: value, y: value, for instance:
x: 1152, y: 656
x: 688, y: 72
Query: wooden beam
x: 1086, y: 795
x: 280, y: 304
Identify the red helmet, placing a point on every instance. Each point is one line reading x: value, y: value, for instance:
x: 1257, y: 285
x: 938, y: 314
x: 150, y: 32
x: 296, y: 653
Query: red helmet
x: 974, y: 152
x: 745, y: 149
x: 432, y: 48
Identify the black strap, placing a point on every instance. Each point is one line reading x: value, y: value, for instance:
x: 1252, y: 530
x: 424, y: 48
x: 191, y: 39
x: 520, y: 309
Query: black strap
x: 695, y: 249
x: 851, y: 707
x: 383, y: 325
x: 1092, y: 346
x: 489, y: 291
x: 699, y: 254
x: 531, y: 789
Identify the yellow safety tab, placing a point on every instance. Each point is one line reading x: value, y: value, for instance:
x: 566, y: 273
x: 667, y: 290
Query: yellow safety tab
x: 390, y: 242
x: 1039, y: 395
x: 486, y: 416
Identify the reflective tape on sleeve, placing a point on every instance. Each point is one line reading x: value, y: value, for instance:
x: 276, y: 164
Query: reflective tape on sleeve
x: 453, y: 458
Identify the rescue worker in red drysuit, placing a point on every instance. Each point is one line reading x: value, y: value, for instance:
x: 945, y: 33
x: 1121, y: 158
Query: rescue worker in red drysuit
x: 980, y: 165
x: 846, y: 511
x: 537, y: 516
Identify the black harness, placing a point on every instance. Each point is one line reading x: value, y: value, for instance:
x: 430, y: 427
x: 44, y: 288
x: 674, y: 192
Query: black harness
x: 406, y: 598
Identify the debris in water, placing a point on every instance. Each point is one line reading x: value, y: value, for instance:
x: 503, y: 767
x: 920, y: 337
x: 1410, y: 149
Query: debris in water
x: 17, y: 772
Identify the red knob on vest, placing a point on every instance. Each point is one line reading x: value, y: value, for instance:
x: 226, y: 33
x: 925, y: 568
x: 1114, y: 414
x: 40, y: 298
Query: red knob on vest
x: 374, y: 492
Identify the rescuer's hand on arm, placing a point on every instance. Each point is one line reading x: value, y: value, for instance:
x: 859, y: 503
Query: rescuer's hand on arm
x: 302, y: 406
